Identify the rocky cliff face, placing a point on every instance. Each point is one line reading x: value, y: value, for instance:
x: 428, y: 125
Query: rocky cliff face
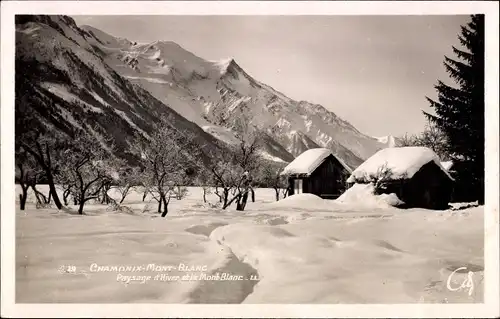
x: 63, y: 82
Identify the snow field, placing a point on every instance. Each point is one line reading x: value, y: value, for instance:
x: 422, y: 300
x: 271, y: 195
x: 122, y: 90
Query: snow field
x: 302, y: 249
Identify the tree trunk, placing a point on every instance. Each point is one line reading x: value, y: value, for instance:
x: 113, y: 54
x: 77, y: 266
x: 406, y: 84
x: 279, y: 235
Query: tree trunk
x: 253, y: 195
x: 225, y: 196
x: 277, y: 193
x: 65, y: 197
x: 237, y: 198
x: 165, y: 207
x: 22, y: 203
x: 39, y: 196
x: 82, y: 203
x: 53, y: 190
x: 204, y: 195
x: 242, y: 201
x: 285, y: 193
x: 480, y: 200
x: 50, y: 197
x: 23, y: 197
x: 159, y: 205
x: 124, y: 194
x: 105, y: 198
x: 218, y: 194
x: 238, y: 202
x: 144, y: 195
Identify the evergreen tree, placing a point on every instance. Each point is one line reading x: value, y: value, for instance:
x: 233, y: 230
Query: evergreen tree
x: 460, y: 111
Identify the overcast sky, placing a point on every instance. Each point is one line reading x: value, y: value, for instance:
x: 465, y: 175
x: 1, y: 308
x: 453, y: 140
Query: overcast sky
x: 373, y: 71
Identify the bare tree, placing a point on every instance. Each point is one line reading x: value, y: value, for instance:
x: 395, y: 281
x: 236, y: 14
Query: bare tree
x: 270, y: 176
x: 88, y: 168
x: 45, y: 149
x: 205, y: 182
x: 224, y: 179
x: 432, y: 137
x: 27, y: 175
x: 408, y: 140
x: 207, y: 190
x: 245, y: 161
x: 165, y: 158
x: 127, y: 180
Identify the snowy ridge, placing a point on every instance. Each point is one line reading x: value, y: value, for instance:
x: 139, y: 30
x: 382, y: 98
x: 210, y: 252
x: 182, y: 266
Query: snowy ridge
x: 403, y: 162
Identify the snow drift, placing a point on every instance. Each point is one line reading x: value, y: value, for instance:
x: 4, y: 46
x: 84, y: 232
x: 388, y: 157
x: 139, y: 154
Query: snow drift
x: 364, y: 195
x: 304, y: 201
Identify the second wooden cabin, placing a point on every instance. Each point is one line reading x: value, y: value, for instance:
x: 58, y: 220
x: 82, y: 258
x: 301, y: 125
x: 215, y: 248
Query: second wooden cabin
x: 413, y: 173
x: 317, y: 171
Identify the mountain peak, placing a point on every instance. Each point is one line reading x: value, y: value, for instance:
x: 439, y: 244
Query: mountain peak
x: 389, y: 140
x: 224, y: 64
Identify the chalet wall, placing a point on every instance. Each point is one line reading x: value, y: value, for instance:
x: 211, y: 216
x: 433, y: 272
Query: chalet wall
x: 327, y: 181
x: 428, y: 188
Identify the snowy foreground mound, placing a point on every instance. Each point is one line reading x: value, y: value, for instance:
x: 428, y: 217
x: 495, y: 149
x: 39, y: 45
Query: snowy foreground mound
x: 363, y: 195
x: 303, y: 201
x: 360, y: 196
x: 299, y: 250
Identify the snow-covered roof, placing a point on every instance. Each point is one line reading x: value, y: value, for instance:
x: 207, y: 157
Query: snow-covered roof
x: 308, y: 161
x: 447, y: 165
x: 403, y: 162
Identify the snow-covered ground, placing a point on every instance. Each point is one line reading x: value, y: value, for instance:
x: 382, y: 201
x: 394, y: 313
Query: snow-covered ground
x: 299, y: 250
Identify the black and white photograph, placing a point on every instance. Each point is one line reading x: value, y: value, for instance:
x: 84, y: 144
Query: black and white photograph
x: 250, y: 158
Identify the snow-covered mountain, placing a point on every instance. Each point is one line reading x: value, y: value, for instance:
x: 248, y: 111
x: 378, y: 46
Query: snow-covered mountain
x: 73, y: 76
x: 215, y: 94
x: 389, y: 141
x: 63, y: 83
